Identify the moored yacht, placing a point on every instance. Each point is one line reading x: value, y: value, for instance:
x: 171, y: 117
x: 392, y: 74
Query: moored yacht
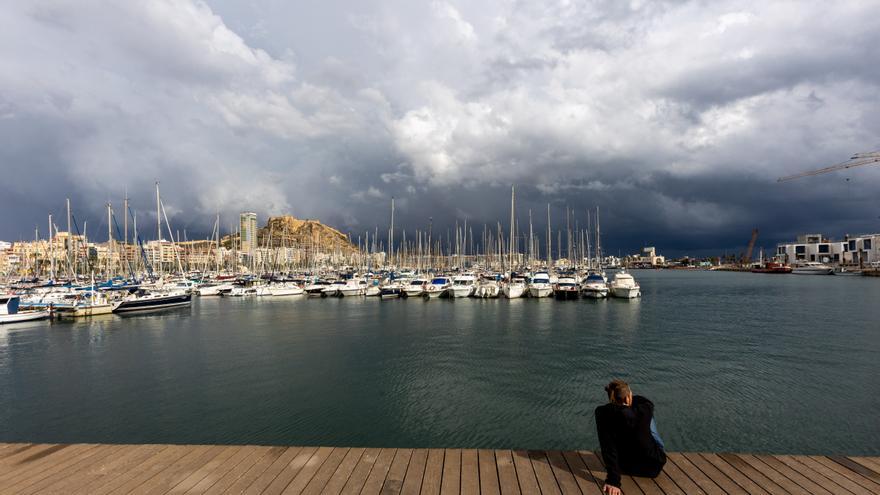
x: 316, y: 288
x: 540, y: 285
x: 566, y: 287
x: 353, y: 287
x: 416, y: 287
x: 285, y: 289
x: 625, y: 286
x: 595, y: 286
x: 143, y: 300
x: 463, y: 285
x: 515, y: 288
x: 812, y: 268
x: 438, y: 287
x: 487, y: 288
x: 9, y: 312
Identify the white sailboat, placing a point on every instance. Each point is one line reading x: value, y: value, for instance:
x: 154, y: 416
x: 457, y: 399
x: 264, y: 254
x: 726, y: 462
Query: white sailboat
x: 9, y: 312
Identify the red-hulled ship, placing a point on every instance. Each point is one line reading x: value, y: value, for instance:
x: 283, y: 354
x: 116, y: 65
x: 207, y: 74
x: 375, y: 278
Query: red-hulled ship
x: 772, y: 267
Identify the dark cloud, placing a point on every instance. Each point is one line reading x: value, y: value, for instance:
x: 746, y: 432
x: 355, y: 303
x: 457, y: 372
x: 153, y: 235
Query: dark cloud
x: 674, y: 117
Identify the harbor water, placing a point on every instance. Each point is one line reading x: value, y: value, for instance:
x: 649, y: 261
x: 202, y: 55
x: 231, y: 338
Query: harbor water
x: 732, y: 361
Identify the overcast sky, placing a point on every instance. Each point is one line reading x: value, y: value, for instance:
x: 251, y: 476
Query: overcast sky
x: 674, y: 117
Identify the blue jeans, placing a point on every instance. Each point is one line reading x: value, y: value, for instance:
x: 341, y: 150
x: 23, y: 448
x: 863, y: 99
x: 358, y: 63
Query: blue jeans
x: 656, y: 435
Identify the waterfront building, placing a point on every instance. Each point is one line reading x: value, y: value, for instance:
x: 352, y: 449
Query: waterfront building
x: 852, y: 250
x: 648, y: 257
x: 248, y: 227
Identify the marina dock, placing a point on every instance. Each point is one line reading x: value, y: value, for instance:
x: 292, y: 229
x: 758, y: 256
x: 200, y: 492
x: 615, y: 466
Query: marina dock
x: 107, y: 468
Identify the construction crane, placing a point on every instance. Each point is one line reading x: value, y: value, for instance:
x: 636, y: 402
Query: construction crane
x: 856, y: 160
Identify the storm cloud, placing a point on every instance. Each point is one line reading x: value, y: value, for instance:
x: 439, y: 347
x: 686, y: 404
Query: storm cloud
x: 674, y: 117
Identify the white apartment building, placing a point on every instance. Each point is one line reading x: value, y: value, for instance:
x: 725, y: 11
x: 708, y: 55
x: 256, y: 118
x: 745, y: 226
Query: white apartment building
x: 852, y: 250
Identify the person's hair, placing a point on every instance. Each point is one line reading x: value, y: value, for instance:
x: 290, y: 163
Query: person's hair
x: 618, y: 391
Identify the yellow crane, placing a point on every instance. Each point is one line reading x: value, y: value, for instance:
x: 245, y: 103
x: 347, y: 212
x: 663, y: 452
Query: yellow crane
x: 856, y: 160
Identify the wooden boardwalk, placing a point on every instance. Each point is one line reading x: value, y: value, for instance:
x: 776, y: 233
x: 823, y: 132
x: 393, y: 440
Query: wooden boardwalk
x: 160, y: 469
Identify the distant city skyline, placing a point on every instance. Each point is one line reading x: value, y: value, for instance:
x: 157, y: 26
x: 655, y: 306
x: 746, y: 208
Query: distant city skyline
x: 675, y: 118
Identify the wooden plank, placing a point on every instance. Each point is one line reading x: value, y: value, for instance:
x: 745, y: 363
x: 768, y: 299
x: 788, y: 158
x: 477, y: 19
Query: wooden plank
x: 681, y: 479
x: 871, y: 463
x: 343, y: 472
x: 198, y: 475
x: 753, y: 474
x: 595, y: 466
x: 27, y: 454
x: 839, y: 479
x: 735, y: 475
x: 227, y: 479
x: 525, y: 472
x: 67, y: 473
x: 260, y: 484
x: 810, y: 474
x: 52, y: 474
x: 361, y: 471
x: 143, y: 471
x: 627, y: 483
x: 168, y: 478
x: 415, y: 472
x: 17, y: 449
x: 33, y: 471
x: 325, y: 472
x: 693, y: 472
x: 801, y: 480
x: 507, y: 481
x: 433, y: 472
x: 289, y: 471
x: 727, y: 484
x: 866, y: 483
x: 99, y: 475
x: 562, y: 473
x: 470, y: 472
x: 256, y: 470
x: 488, y: 472
x: 543, y: 472
x: 376, y: 479
x: 394, y: 480
x: 217, y: 473
x: 302, y: 478
x: 587, y: 483
x: 668, y: 486
x: 451, y: 481
x: 785, y: 483
x: 855, y: 466
x: 142, y: 483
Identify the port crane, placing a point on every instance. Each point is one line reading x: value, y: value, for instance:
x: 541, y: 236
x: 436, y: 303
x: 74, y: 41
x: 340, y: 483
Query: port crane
x: 856, y: 160
x: 747, y: 258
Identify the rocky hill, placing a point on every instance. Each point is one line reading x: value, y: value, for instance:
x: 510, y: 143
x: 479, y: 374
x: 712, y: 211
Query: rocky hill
x: 288, y: 231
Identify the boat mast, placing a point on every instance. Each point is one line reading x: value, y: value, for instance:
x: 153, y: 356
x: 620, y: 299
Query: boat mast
x: 109, y: 241
x: 391, y: 234
x: 598, y: 244
x: 549, y: 240
x: 512, y: 226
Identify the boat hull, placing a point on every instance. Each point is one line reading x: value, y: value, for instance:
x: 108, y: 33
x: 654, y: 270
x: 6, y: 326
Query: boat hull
x: 566, y: 295
x: 513, y: 291
x: 540, y: 291
x: 82, y: 311
x: 24, y: 316
x: 153, y: 304
x: 461, y: 291
x: 626, y: 292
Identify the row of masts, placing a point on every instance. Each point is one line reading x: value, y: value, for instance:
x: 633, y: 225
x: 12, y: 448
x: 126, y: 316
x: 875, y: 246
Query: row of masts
x: 422, y: 250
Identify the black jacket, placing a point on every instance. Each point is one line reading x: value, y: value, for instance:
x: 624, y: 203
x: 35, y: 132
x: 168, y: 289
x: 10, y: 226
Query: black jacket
x: 627, y: 444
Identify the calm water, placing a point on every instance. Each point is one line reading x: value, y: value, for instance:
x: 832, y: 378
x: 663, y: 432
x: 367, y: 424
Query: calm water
x: 733, y: 361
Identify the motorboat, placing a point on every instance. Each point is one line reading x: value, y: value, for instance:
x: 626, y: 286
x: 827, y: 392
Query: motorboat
x: 9, y: 312
x: 91, y: 303
x: 566, y: 287
x: 847, y: 271
x: 393, y: 289
x: 771, y: 267
x: 812, y: 268
x: 438, y: 287
x: 215, y: 289
x: 624, y: 285
x: 144, y: 300
x: 463, y: 285
x: 595, y: 286
x: 332, y: 290
x: 415, y: 288
x: 487, y: 288
x: 285, y: 289
x: 316, y: 288
x: 353, y: 287
x: 515, y: 288
x: 540, y: 285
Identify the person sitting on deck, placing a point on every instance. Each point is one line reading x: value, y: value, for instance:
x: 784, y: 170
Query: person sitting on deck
x: 628, y: 436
